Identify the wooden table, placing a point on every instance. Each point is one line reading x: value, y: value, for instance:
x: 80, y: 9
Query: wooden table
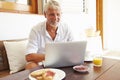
x: 110, y: 70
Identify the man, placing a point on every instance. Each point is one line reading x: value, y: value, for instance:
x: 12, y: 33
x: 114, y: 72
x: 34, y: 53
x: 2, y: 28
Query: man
x: 51, y: 30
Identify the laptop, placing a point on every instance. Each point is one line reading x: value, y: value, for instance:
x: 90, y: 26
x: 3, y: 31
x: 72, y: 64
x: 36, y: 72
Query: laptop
x: 62, y: 54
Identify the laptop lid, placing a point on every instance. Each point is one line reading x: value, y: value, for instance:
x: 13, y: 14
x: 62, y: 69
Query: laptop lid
x: 63, y: 54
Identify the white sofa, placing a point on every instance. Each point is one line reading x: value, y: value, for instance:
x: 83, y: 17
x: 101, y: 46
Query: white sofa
x: 14, y: 30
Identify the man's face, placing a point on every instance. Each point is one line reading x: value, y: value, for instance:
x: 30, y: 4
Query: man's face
x: 53, y: 17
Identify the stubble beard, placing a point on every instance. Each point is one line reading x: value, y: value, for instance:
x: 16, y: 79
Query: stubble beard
x: 55, y: 24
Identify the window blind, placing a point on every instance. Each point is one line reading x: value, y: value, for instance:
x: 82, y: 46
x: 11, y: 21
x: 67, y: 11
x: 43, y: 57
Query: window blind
x: 73, y: 6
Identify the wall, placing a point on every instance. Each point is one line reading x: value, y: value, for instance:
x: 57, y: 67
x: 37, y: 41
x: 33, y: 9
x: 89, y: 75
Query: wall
x: 111, y: 24
x: 17, y: 26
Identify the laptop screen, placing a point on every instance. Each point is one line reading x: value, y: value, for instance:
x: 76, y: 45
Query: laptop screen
x: 63, y: 54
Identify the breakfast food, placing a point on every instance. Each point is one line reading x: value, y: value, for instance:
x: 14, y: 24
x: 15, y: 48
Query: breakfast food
x: 43, y: 74
x: 81, y: 68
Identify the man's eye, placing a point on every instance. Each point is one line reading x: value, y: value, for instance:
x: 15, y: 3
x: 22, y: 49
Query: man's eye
x: 51, y: 14
x: 58, y: 14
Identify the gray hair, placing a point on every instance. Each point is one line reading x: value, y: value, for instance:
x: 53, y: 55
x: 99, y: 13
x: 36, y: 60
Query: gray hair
x: 52, y: 4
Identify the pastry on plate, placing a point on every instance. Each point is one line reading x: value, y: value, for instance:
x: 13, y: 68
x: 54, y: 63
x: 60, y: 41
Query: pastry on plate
x: 43, y: 74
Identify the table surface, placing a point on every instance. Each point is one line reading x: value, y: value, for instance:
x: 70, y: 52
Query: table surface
x: 110, y: 70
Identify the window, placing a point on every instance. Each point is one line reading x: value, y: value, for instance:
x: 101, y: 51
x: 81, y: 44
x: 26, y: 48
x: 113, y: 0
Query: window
x: 79, y: 14
x: 71, y: 6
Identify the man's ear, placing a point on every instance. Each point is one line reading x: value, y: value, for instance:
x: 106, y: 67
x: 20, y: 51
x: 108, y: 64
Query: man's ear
x: 45, y: 14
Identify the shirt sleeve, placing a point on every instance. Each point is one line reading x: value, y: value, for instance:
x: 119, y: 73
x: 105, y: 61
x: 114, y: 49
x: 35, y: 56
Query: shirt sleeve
x: 32, y: 46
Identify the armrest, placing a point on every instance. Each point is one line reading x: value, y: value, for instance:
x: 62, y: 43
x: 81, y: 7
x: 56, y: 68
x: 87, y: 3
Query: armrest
x: 3, y: 57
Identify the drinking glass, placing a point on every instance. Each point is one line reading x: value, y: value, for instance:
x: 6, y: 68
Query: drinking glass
x: 97, y: 60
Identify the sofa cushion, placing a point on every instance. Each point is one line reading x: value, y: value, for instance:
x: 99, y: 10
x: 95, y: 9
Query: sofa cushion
x: 3, y: 57
x: 16, y: 54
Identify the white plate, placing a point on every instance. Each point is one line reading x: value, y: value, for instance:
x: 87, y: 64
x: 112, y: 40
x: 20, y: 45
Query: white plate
x: 81, y: 68
x: 59, y: 74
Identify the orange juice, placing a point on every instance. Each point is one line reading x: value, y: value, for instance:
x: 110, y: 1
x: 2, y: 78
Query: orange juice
x: 97, y: 61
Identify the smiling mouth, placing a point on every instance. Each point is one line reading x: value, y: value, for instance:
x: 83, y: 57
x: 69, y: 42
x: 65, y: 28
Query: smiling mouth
x: 54, y: 23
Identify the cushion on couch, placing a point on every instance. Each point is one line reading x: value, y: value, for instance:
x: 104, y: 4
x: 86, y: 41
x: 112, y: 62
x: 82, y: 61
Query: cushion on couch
x: 16, y: 54
x: 3, y: 57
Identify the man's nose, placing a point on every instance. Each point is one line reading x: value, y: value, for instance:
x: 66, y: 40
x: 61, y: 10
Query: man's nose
x: 56, y: 17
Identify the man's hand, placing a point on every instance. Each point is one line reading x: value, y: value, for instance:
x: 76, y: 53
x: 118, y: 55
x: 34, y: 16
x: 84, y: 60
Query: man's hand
x: 33, y: 57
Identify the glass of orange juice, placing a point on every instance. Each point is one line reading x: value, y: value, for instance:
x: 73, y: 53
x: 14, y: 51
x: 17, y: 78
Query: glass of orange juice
x: 97, y: 61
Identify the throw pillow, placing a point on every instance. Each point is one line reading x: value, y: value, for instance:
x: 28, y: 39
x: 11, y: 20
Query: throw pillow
x: 16, y: 54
